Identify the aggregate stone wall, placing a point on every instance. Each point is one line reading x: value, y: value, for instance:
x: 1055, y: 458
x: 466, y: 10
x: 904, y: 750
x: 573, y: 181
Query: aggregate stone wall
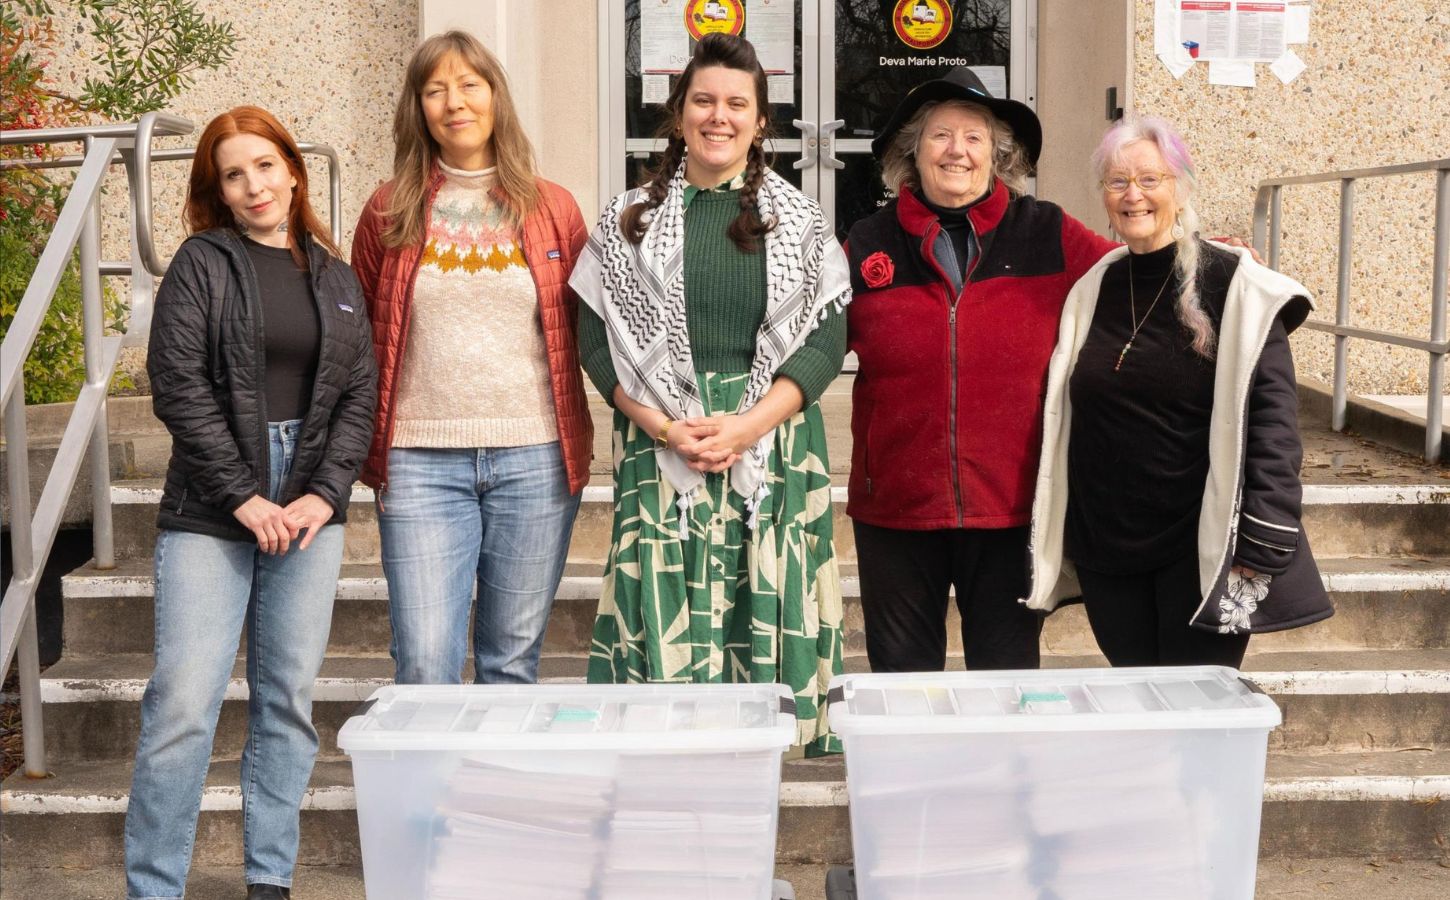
x: 1376, y: 92
x: 328, y: 69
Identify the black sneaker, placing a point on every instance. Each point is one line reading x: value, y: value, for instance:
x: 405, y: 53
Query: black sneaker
x: 268, y: 892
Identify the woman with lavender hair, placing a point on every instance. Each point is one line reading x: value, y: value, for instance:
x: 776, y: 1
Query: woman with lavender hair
x: 1168, y: 493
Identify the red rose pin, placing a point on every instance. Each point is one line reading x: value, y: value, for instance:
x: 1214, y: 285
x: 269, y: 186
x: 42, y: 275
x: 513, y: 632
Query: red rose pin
x: 877, y: 270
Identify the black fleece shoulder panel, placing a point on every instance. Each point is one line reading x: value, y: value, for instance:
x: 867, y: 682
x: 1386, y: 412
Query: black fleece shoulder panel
x: 881, y: 232
x: 1027, y: 242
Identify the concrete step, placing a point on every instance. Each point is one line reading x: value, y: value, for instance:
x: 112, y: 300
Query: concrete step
x: 1340, y: 519
x: 1319, y: 805
x: 1380, y: 603
x: 1357, y: 700
x: 1356, y: 877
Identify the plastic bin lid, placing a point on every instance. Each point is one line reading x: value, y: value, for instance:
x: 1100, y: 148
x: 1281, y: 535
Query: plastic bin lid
x: 1129, y: 699
x: 573, y: 717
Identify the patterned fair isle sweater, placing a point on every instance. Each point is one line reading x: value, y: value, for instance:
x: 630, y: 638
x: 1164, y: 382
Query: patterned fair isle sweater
x: 475, y: 371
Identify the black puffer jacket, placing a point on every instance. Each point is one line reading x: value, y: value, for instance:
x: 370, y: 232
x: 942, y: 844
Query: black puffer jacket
x: 206, y: 363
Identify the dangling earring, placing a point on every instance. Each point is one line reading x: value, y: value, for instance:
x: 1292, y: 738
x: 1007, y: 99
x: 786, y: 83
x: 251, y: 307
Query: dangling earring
x: 242, y: 227
x: 1177, y: 231
x: 282, y: 227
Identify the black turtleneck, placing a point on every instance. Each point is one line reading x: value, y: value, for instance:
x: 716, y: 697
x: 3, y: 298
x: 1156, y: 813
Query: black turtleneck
x: 1138, y: 451
x: 954, y: 222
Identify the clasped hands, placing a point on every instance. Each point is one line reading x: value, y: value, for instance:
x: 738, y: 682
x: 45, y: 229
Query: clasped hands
x: 276, y: 527
x: 711, y: 443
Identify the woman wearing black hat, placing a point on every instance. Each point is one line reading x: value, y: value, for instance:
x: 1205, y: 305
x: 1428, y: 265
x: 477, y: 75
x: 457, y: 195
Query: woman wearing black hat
x: 958, y: 283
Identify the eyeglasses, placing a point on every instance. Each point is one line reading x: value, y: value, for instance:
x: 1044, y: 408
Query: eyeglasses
x: 1148, y: 181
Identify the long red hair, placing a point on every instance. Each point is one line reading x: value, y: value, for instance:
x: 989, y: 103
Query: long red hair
x: 204, y: 206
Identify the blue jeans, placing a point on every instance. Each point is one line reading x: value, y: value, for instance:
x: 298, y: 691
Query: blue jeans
x: 497, y: 517
x: 207, y: 589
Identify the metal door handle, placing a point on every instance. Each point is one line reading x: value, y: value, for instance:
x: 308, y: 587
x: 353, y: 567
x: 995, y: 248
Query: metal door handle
x: 809, y: 144
x: 828, y: 144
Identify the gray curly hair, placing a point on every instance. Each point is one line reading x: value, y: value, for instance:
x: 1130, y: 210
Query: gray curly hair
x: 1009, y: 160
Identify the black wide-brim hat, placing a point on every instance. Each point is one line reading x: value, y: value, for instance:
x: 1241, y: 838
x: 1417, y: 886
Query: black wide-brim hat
x: 962, y: 83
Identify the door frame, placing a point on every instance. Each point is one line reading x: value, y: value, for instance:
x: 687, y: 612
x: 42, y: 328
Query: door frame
x: 817, y: 89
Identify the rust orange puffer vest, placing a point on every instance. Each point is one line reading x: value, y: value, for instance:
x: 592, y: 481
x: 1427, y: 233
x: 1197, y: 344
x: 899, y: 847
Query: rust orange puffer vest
x: 553, y: 235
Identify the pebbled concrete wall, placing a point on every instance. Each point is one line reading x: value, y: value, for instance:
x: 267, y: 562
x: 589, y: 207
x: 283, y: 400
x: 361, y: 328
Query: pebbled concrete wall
x: 1376, y: 92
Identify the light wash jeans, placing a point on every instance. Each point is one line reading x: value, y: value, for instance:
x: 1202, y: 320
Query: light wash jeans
x: 497, y: 517
x: 207, y: 588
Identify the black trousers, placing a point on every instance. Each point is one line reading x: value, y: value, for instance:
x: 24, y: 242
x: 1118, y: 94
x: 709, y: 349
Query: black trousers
x: 1142, y: 619
x: 905, y: 576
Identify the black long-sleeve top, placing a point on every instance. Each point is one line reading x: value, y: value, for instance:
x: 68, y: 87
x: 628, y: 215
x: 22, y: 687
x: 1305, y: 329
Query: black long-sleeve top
x: 1138, y: 452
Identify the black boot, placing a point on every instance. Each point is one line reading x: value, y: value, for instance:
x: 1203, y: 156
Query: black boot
x: 268, y: 892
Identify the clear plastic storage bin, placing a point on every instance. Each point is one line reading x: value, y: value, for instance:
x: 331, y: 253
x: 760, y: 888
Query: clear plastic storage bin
x: 1074, y: 784
x: 582, y: 792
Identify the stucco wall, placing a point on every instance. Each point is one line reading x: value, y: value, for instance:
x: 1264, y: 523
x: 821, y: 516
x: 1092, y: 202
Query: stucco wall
x: 328, y: 69
x: 1376, y: 92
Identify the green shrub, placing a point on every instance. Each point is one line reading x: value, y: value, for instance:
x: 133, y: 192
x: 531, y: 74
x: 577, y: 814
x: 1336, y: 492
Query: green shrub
x: 150, y: 49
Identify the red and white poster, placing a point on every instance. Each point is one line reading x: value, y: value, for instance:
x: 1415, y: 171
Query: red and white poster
x: 1232, y: 30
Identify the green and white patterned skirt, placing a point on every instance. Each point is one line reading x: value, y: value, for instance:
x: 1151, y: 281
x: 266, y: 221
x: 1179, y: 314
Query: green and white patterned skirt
x: 729, y: 604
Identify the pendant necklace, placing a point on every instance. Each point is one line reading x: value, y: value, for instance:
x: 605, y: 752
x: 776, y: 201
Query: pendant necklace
x: 1133, y: 311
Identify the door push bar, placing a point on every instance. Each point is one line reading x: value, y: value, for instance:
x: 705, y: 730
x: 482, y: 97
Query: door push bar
x: 818, y: 145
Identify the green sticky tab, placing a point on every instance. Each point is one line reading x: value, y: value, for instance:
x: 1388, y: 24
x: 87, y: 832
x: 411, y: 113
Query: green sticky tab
x: 1042, y: 697
x: 576, y: 715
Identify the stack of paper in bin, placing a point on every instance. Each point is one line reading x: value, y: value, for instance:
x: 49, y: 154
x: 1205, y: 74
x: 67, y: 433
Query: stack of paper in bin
x: 690, y: 825
x: 1146, y: 838
x: 521, y: 833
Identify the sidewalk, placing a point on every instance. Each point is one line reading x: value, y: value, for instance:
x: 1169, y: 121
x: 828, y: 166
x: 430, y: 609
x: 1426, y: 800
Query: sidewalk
x: 1320, y: 879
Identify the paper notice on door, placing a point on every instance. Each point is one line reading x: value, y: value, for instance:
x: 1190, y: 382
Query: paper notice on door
x: 1296, y: 24
x: 664, y: 44
x: 1258, y: 31
x: 1287, y: 67
x: 770, y: 26
x: 654, y: 89
x: 994, y: 79
x: 1231, y: 72
x: 781, y: 89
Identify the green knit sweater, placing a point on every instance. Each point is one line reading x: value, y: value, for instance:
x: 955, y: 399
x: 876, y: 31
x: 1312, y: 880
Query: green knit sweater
x: 724, y: 305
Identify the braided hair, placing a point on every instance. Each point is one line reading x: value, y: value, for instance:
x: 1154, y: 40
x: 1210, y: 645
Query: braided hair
x: 730, y: 52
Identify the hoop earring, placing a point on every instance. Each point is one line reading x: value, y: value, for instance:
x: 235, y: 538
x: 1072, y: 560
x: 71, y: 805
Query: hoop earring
x: 1177, y: 231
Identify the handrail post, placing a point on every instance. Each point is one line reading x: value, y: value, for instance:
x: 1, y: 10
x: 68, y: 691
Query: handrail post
x: 1341, y: 304
x: 334, y: 206
x: 1434, y: 393
x: 1275, y: 226
x: 93, y: 329
x: 22, y: 568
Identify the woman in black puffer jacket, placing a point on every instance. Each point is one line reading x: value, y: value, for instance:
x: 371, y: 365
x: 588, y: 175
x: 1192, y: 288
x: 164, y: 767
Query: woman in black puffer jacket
x: 262, y: 369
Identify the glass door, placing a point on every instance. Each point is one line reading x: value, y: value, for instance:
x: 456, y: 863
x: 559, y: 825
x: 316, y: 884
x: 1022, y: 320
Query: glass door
x: 836, y: 68
x: 876, y: 51
x: 657, y: 42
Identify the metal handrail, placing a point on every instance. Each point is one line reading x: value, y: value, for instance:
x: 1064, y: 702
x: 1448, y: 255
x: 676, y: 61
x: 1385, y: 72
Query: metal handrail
x: 1267, y: 232
x: 79, y: 224
x: 172, y: 154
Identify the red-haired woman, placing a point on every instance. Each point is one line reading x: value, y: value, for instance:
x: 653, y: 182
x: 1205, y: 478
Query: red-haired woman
x: 262, y: 369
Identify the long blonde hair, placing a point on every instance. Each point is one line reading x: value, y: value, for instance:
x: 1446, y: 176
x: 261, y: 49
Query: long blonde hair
x: 415, y: 152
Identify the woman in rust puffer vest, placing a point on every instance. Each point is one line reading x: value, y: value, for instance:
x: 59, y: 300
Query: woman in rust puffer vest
x: 483, y: 432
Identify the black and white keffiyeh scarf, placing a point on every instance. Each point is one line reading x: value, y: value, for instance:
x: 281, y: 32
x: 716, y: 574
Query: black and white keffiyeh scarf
x: 639, y: 292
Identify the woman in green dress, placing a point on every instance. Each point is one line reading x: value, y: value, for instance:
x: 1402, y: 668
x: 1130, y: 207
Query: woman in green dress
x: 712, y: 322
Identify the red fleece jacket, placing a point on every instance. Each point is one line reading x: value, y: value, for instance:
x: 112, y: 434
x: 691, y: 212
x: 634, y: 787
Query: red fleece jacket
x: 946, y: 414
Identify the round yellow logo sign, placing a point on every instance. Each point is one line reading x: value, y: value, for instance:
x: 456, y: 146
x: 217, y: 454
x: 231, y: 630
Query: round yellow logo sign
x: 704, y: 17
x: 922, y: 24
